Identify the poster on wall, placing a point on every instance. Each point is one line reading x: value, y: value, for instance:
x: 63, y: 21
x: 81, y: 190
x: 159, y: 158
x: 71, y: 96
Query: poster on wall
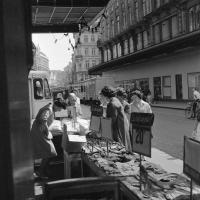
x: 191, y: 159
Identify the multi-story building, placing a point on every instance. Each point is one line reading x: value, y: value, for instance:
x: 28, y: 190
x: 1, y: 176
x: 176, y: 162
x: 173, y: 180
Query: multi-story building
x: 57, y: 78
x: 40, y: 60
x: 86, y: 54
x: 154, y: 44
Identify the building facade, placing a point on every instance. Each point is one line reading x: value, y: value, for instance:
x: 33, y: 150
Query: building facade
x: 86, y: 54
x: 40, y: 60
x: 153, y: 44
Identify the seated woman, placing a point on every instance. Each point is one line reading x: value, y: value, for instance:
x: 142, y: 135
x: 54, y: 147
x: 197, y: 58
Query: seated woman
x: 115, y: 111
x: 43, y: 147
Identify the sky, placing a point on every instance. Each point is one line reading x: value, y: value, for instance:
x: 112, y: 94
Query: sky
x: 56, y: 47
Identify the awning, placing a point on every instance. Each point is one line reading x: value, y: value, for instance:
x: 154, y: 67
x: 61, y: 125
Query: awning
x: 63, y: 15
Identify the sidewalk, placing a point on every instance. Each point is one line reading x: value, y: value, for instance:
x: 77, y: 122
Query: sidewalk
x: 170, y: 105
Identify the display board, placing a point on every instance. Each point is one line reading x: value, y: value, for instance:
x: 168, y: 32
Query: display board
x: 96, y: 110
x: 191, y: 159
x: 141, y: 132
x: 95, y: 123
x: 106, y: 128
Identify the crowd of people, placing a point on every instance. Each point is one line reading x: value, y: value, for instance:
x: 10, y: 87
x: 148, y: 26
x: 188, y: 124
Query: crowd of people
x: 118, y: 109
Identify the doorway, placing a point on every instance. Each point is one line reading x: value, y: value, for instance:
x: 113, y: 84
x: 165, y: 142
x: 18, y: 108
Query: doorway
x: 179, y: 88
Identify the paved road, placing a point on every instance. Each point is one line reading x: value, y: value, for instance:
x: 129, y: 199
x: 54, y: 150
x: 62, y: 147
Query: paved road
x: 169, y: 128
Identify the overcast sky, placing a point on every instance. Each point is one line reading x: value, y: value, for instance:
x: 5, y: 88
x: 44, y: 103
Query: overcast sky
x: 56, y: 47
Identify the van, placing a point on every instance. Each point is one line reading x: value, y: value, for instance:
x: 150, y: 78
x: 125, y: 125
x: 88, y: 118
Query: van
x: 39, y: 92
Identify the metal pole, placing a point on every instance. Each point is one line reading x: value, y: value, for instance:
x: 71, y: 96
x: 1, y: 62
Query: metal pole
x: 191, y: 198
x: 140, y: 173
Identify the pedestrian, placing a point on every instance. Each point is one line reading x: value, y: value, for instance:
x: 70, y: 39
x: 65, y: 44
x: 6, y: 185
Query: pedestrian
x: 43, y: 147
x: 140, y: 106
x: 122, y: 96
x: 115, y: 111
x: 196, y: 97
x: 196, y: 131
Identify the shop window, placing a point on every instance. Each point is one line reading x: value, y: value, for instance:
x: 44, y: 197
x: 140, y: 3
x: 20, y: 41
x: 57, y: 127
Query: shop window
x: 156, y: 29
x: 93, y: 63
x: 47, y: 92
x: 167, y: 87
x: 139, y: 41
x: 193, y: 82
x: 38, y: 89
x: 174, y: 26
x: 165, y: 30
x: 197, y: 16
x: 109, y: 54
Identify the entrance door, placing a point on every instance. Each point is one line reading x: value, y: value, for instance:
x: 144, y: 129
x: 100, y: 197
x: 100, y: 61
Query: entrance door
x: 157, y: 88
x: 179, y: 89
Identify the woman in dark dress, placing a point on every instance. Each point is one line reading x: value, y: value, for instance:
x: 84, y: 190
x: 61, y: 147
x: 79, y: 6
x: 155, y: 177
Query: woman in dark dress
x: 115, y: 111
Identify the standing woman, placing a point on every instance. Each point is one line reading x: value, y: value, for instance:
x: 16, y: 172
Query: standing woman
x: 115, y: 111
x: 196, y: 131
x: 43, y: 147
x: 138, y: 105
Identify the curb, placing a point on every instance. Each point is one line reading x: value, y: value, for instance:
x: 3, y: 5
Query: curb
x: 167, y: 107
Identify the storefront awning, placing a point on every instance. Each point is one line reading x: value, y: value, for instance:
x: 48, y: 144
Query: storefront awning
x: 167, y: 47
x: 63, y: 15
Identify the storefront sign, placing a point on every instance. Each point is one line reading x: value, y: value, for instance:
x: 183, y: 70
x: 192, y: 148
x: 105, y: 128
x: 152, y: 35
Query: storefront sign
x: 97, y: 110
x: 191, y: 159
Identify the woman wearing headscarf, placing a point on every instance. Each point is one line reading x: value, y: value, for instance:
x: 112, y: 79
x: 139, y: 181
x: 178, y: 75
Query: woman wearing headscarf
x: 43, y: 147
x: 115, y: 111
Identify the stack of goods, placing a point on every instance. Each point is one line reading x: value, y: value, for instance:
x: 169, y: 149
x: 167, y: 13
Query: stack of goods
x: 157, y: 184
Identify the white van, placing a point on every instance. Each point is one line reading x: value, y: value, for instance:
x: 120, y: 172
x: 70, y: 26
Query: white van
x: 39, y: 92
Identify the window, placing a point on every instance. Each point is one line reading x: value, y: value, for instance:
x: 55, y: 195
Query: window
x: 109, y: 54
x: 139, y: 41
x: 146, y: 5
x: 87, y: 64
x: 193, y: 81
x: 136, y: 10
x: 125, y: 47
x: 191, y: 19
x: 156, y: 33
x: 114, y: 51
x: 174, y: 26
x: 166, y: 87
x: 118, y: 25
x: 105, y: 55
x: 47, y: 92
x: 38, y: 89
x: 119, y: 50
x: 131, y: 48
x: 79, y: 67
x: 85, y: 38
x: 124, y: 19
x: 93, y: 52
x: 145, y: 39
x: 113, y: 27
x: 92, y: 38
x: 182, y: 22
x: 165, y: 30
x: 93, y: 63
x: 86, y: 51
x: 157, y: 3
